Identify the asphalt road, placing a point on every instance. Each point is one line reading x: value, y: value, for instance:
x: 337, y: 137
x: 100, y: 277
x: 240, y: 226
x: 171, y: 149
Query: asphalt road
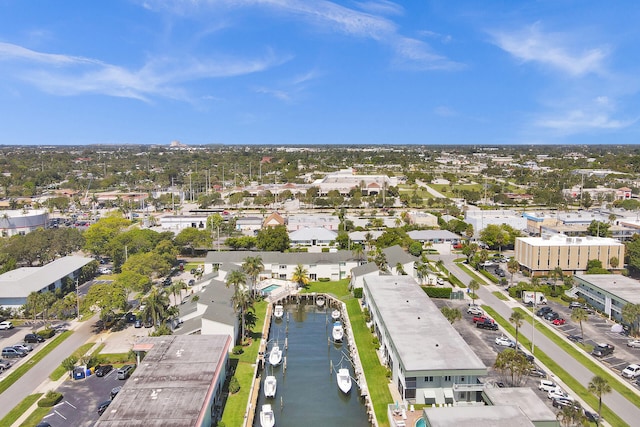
x: 40, y: 372
x: 626, y: 410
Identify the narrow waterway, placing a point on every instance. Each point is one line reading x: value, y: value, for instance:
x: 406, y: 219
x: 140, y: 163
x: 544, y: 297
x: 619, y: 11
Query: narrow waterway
x: 307, y: 391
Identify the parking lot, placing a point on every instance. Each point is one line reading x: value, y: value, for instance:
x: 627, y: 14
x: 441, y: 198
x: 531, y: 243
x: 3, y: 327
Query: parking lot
x: 81, y: 399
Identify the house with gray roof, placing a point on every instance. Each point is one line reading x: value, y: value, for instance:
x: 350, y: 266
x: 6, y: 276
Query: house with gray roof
x: 434, y: 236
x: 399, y: 261
x: 16, y: 285
x: 314, y: 238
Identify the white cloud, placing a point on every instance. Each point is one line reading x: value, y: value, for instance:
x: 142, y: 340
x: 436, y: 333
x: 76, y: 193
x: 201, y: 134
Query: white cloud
x: 381, y: 7
x: 444, y: 111
x: 276, y: 93
x: 416, y: 54
x: 598, y: 114
x: 552, y: 49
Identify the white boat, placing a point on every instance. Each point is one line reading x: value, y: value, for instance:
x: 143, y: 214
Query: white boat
x: 344, y: 380
x: 267, y: 418
x: 320, y: 302
x: 275, y: 357
x: 278, y: 312
x: 337, y: 332
x: 270, y: 385
x: 335, y: 314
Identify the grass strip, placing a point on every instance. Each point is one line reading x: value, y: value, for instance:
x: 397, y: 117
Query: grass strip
x: 35, y: 417
x: 500, y: 295
x: 41, y: 354
x: 569, y: 380
x: 78, y: 353
x: 20, y: 409
x: 472, y: 273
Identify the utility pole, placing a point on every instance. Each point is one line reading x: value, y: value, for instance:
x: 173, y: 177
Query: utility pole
x: 77, y: 299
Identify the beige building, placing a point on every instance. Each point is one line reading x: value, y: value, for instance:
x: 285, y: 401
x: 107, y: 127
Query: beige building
x: 540, y: 255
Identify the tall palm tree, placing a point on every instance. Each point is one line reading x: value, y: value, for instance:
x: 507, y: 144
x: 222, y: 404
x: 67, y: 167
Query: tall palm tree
x: 580, y: 315
x: 400, y: 269
x: 358, y: 252
x: 156, y: 305
x: 253, y: 266
x: 516, y: 318
x: 423, y: 271
x: 630, y: 313
x: 237, y: 279
x: 300, y: 276
x: 473, y: 287
x: 599, y: 386
x: 512, y: 267
x: 242, y: 302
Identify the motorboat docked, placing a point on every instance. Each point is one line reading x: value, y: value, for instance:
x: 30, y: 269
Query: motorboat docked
x: 278, y: 311
x: 344, y: 380
x: 275, y: 356
x: 337, y: 332
x: 320, y: 301
x: 267, y: 418
x: 270, y: 385
x: 335, y: 314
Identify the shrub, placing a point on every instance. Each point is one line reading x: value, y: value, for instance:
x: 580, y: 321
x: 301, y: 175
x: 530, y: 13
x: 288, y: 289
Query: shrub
x: 566, y: 298
x: 46, y: 333
x: 388, y: 373
x: 376, y: 342
x: 50, y: 399
x: 234, y: 385
x: 357, y: 293
x: 489, y: 276
x: 372, y: 329
x: 238, y: 349
x: 324, y: 279
x: 437, y: 292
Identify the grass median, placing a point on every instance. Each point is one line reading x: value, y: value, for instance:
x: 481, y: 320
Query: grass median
x: 559, y: 372
x: 25, y: 367
x: 20, y: 409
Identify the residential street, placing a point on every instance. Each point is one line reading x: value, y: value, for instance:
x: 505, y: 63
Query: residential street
x: 36, y: 376
x: 616, y: 402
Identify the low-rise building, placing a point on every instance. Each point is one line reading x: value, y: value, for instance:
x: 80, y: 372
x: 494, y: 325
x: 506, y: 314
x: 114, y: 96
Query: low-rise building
x: 607, y: 293
x: 14, y: 222
x: 314, y: 238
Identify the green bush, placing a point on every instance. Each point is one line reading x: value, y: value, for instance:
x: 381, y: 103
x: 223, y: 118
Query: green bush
x: 357, y: 293
x: 376, y: 342
x: 238, y: 349
x: 325, y: 249
x: 234, y: 385
x: 489, y: 276
x: 324, y: 279
x: 50, y: 399
x: 46, y: 333
x: 437, y: 292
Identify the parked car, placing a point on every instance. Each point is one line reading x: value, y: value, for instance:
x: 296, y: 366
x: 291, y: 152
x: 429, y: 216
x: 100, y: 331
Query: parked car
x: 632, y: 371
x: 505, y: 342
x: 592, y: 417
x: 537, y: 372
x: 481, y: 318
x: 23, y: 347
x: 487, y: 324
x: 105, y: 270
x: 557, y: 393
x: 125, y: 371
x: 4, y: 364
x: 103, y: 407
x: 103, y: 370
x: 543, y: 311
x: 561, y: 402
x: 33, y: 338
x: 602, y: 349
x: 115, y: 391
x: 552, y: 316
x: 575, y: 304
x: 475, y: 310
x: 6, y: 325
x: 559, y: 321
x: 191, y: 282
x: 575, y: 338
x: 547, y: 385
x: 633, y: 343
x: 43, y: 424
x: 11, y: 352
x: 138, y: 323
x: 167, y: 281
x: 528, y: 356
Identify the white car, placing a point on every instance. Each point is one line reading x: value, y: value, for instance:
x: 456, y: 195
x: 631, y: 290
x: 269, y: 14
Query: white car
x: 475, y: 310
x: 633, y: 343
x: 557, y: 393
x: 631, y: 371
x: 23, y: 347
x: 105, y: 270
x: 546, y: 385
x: 505, y: 342
x: 6, y: 325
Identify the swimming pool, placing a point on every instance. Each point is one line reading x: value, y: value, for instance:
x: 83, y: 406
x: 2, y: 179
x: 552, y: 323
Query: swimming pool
x: 421, y: 423
x: 269, y: 289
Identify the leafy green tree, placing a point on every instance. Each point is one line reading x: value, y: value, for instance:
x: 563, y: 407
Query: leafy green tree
x: 599, y: 386
x: 107, y: 297
x: 191, y: 238
x: 99, y: 234
x: 147, y: 264
x: 594, y: 266
x: 273, y: 239
x: 598, y: 228
x: 631, y: 315
x: 632, y: 250
x: 513, y: 365
x: 133, y: 281
x: 415, y: 248
x: 580, y: 315
x: 69, y: 364
x: 451, y: 314
x: 393, y: 237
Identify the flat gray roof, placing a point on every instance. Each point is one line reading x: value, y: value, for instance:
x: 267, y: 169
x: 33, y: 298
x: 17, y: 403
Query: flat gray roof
x: 621, y: 286
x: 237, y: 257
x: 563, y: 240
x: 474, y: 416
x: 22, y: 281
x: 171, y: 385
x: 423, y: 338
x: 523, y: 397
x: 433, y: 234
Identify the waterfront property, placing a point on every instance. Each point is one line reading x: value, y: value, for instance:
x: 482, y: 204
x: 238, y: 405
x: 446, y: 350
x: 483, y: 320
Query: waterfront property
x: 178, y: 383
x: 607, y: 293
x: 429, y: 361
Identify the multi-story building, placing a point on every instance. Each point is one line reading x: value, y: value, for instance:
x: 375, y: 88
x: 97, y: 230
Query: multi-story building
x: 14, y: 222
x: 607, y: 293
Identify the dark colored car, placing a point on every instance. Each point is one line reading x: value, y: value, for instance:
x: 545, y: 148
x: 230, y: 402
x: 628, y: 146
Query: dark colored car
x: 43, y: 424
x: 575, y: 338
x: 115, y: 391
x: 601, y: 350
x: 103, y: 406
x: 487, y: 324
x: 529, y: 357
x: 103, y: 370
x: 131, y: 317
x: 592, y: 416
x: 543, y: 311
x: 167, y: 282
x: 552, y: 316
x: 537, y: 372
x: 33, y: 338
x: 138, y: 324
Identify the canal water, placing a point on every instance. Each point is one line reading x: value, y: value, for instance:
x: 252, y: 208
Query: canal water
x: 307, y: 392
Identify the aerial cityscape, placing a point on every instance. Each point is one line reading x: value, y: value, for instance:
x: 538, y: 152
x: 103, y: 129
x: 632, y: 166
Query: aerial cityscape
x: 259, y: 213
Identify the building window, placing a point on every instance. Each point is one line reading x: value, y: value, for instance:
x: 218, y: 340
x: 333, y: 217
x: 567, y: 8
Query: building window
x: 428, y: 379
x: 447, y: 378
x: 283, y: 267
x: 462, y: 380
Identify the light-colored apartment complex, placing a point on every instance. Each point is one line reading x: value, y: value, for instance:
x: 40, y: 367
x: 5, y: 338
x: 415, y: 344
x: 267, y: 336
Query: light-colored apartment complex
x: 540, y: 255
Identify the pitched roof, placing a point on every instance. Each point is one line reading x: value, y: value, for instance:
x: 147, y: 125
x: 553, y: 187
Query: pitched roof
x: 293, y: 258
x: 312, y: 233
x: 395, y: 254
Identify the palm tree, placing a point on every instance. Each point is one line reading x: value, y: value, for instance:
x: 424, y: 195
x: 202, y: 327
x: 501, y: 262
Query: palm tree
x: 400, y: 269
x: 516, y: 318
x: 473, y: 287
x: 580, y: 315
x: 176, y: 289
x: 237, y: 279
x: 300, y: 276
x: 557, y: 273
x: 630, y: 314
x: 358, y: 252
x: 599, y: 386
x: 423, y: 271
x: 571, y: 415
x: 242, y: 302
x: 156, y: 306
x: 253, y: 266
x: 513, y: 266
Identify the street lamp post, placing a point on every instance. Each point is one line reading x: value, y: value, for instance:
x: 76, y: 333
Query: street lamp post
x: 77, y: 299
x: 533, y: 322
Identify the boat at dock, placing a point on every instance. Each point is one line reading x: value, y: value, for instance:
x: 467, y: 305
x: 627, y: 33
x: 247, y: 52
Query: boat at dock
x: 320, y: 301
x: 344, y: 380
x: 267, y: 417
x: 335, y: 314
x: 275, y: 356
x: 278, y: 312
x: 337, y: 332
x: 270, y: 385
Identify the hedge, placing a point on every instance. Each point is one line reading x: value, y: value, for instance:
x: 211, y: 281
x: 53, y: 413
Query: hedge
x: 437, y: 292
x: 46, y: 333
x: 357, y: 292
x: 489, y: 276
x: 50, y: 399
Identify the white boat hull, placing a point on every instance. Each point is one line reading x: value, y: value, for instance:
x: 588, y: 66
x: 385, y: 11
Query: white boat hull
x: 267, y: 417
x: 335, y: 314
x: 344, y: 380
x: 270, y: 386
x: 275, y: 357
x: 337, y: 332
x: 320, y: 302
x: 278, y: 312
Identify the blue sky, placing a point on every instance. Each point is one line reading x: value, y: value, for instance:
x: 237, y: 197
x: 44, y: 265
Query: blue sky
x: 319, y: 72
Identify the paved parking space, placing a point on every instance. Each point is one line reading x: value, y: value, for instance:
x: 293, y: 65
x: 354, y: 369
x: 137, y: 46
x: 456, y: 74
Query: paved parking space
x: 81, y: 399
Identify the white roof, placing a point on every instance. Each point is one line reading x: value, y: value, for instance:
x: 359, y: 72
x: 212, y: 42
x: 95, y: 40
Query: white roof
x: 22, y: 281
x: 314, y: 233
x: 563, y: 240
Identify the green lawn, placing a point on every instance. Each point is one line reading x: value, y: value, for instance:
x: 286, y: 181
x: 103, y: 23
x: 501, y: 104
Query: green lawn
x: 571, y: 382
x: 35, y: 417
x: 472, y: 273
x: 500, y: 295
x: 339, y: 289
x: 20, y: 409
x: 79, y: 352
